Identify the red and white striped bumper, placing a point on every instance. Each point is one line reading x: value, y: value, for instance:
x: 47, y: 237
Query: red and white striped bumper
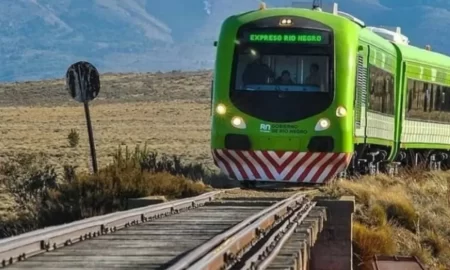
x: 304, y: 167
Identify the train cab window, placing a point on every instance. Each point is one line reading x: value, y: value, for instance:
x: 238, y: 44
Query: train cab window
x: 295, y: 73
x: 283, y: 82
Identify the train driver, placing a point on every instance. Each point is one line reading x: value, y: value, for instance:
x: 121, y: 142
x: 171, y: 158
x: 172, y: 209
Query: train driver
x: 285, y: 78
x: 257, y: 72
x: 314, y: 76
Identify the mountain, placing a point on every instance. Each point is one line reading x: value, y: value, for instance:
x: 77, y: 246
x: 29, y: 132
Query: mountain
x: 39, y: 39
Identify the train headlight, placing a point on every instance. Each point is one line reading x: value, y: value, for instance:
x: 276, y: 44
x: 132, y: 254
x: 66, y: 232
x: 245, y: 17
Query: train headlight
x: 341, y: 111
x: 286, y: 22
x: 322, y: 124
x: 238, y: 122
x: 221, y: 109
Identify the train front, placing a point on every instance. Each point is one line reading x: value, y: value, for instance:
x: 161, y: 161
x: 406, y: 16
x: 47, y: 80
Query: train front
x: 276, y: 113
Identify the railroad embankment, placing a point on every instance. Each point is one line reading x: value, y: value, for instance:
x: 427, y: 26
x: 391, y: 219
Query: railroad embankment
x: 403, y: 215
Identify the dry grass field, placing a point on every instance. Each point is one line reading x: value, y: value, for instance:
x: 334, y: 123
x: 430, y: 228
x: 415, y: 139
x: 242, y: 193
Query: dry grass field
x: 169, y: 112
x: 404, y: 215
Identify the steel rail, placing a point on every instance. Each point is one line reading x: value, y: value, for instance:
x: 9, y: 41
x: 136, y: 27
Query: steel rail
x: 267, y: 252
x: 219, y: 239
x: 25, y: 245
x: 228, y: 252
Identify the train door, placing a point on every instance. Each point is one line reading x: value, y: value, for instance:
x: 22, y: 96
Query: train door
x: 360, y: 102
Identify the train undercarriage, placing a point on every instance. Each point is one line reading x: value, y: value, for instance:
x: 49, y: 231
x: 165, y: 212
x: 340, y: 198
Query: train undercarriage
x: 373, y: 159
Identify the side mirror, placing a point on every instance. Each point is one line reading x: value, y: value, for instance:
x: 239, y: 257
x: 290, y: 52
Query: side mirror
x: 215, y: 43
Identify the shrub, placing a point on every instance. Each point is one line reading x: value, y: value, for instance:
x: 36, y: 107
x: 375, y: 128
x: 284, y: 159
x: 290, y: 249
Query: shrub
x: 73, y: 138
x: 44, y: 198
x: 370, y: 241
x: 378, y: 215
x: 148, y: 161
x: 409, y: 212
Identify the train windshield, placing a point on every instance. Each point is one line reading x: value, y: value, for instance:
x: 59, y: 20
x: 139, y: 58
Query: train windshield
x: 282, y: 77
x: 282, y: 72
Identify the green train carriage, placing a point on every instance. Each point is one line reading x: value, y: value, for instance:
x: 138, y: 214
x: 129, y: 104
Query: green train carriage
x: 425, y: 115
x: 408, y: 128
x: 349, y: 122
x: 410, y: 124
x: 376, y: 102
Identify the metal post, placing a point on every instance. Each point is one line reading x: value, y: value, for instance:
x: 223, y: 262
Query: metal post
x: 91, y: 136
x: 85, y: 83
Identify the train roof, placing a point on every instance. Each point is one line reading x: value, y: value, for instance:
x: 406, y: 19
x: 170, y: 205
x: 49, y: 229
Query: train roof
x: 331, y: 18
x: 367, y: 34
x: 416, y: 54
x: 373, y: 38
x: 409, y: 52
x: 288, y: 11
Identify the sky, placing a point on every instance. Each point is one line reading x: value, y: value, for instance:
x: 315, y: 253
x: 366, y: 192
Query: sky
x: 40, y: 39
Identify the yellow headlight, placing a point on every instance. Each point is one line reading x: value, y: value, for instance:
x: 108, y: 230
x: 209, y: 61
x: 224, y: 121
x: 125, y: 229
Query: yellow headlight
x: 238, y: 122
x: 322, y: 124
x: 221, y: 109
x: 341, y: 111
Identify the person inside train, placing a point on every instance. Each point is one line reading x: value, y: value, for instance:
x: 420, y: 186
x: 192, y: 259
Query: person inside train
x: 257, y: 72
x: 285, y: 78
x: 314, y: 75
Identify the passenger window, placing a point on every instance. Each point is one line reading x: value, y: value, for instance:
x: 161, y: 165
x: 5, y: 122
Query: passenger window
x: 382, y: 92
x: 427, y: 102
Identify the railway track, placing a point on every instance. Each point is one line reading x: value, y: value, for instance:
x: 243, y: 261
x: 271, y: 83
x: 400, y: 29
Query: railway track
x: 194, y: 233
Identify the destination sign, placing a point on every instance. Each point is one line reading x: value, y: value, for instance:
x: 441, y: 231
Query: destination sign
x: 292, y: 38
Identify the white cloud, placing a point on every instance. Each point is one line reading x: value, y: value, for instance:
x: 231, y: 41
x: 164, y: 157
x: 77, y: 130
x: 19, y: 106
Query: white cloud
x: 207, y: 6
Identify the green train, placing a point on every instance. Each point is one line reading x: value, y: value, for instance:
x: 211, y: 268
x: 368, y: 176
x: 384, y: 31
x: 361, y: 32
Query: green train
x: 301, y: 95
